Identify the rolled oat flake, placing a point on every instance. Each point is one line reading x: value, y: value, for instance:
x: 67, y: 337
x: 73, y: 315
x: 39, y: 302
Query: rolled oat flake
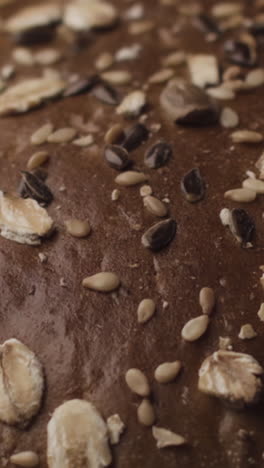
x: 116, y: 157
x: 193, y: 186
x: 33, y: 187
x: 160, y: 235
x: 158, y: 155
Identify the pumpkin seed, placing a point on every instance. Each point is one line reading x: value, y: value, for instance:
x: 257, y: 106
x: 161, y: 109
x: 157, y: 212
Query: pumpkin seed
x: 33, y: 187
x: 63, y: 135
x: 116, y: 157
x: 137, y: 382
x: 132, y: 104
x: 130, y: 178
x: 159, y: 235
x: 158, y: 155
x: 146, y: 310
x: 167, y: 372
x: 27, y: 459
x: 187, y: 104
x: 135, y: 136
x: 155, y: 206
x: 242, y: 195
x: 247, y: 332
x: 103, y: 282
x: 40, y: 136
x: 37, y: 159
x: 254, y: 184
x: 145, y: 413
x: 193, y: 186
x: 78, y: 228
x: 114, y: 135
x: 207, y: 300
x: 195, y: 328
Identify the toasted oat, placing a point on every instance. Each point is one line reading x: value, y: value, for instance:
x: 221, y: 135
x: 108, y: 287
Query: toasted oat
x: 232, y: 376
x: 84, y: 141
x: 41, y: 134
x: 166, y: 438
x: 207, y: 300
x: 104, y: 60
x: 23, y: 220
x: 81, y: 15
x: 167, y: 371
x: 23, y: 56
x: 241, y: 195
x: 146, y: 310
x: 63, y: 135
x: 27, y: 459
x: 195, y: 328
x: 130, y: 178
x: 145, y: 413
x: 203, y: 69
x: 161, y: 76
x: 229, y: 118
x: 78, y: 228
x: 29, y: 94
x: 254, y: 184
x: 77, y: 436
x: 37, y: 159
x: 141, y: 27
x: 116, y: 428
x: 247, y: 332
x: 103, y: 282
x: 117, y: 77
x: 246, y: 136
x: 132, y: 104
x: 21, y: 383
x: 137, y: 382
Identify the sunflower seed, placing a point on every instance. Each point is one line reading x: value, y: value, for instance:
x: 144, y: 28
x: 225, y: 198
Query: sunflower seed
x: 242, y: 195
x: 242, y: 226
x: 166, y: 438
x: 80, y: 86
x: 34, y: 23
x: 226, y: 9
x: 116, y: 428
x: 254, y: 184
x: 37, y: 159
x: 116, y: 157
x: 232, y: 72
x: 137, y: 382
x: 155, y: 206
x: 135, y: 136
x: 78, y: 228
x: 229, y: 118
x: 240, y: 52
x: 145, y: 190
x: 23, y: 56
x: 255, y: 78
x: 146, y: 310
x: 158, y: 155
x: 207, y: 24
x: 161, y: 76
x: 105, y: 93
x: 160, y: 235
x: 63, y: 135
x: 27, y: 459
x: 247, y: 332
x: 8, y: 71
x: 188, y: 104
x: 132, y: 104
x: 81, y: 15
x: 77, y: 436
x: 246, y: 136
x: 117, y: 77
x: 104, y: 61
x: 40, y: 136
x: 145, y: 413
x: 34, y: 187
x: 130, y: 178
x: 167, y: 372
x: 23, y: 221
x: 195, y: 328
x: 207, y: 300
x: 128, y: 53
x: 174, y: 59
x: 260, y: 166
x: 221, y: 93
x: 141, y: 27
x: 47, y: 57
x: 29, y: 93
x: 103, y: 282
x: 135, y: 12
x: 261, y: 312
x: 21, y: 383
x: 114, y: 135
x: 115, y: 195
x: 193, y: 186
x: 204, y: 70
x: 234, y: 377
x: 84, y: 141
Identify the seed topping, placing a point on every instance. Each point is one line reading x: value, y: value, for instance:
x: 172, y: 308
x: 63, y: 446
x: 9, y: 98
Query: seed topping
x: 137, y: 382
x: 102, y: 282
x: 159, y: 235
x: 167, y: 372
x: 146, y: 310
x: 145, y: 413
x: 195, y: 328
